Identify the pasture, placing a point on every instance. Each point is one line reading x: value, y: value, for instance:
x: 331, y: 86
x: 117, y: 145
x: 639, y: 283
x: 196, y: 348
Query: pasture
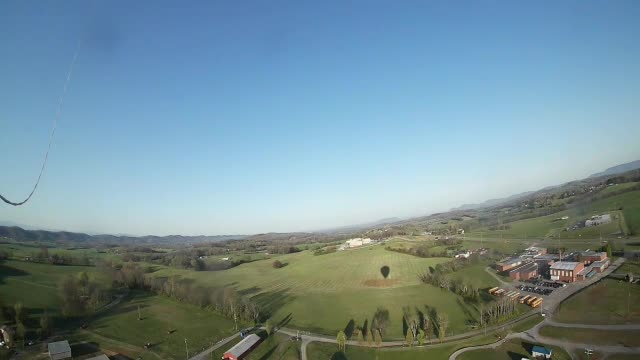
x: 603, y: 303
x: 324, y: 293
x: 36, y: 285
x: 165, y: 324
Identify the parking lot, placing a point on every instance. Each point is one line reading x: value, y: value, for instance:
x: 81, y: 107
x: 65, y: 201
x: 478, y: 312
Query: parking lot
x: 535, y: 289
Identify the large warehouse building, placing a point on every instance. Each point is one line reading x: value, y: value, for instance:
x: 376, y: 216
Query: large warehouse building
x: 524, y: 272
x: 566, y: 271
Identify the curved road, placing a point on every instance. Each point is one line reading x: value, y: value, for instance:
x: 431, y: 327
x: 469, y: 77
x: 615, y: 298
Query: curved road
x: 533, y: 334
x: 551, y: 305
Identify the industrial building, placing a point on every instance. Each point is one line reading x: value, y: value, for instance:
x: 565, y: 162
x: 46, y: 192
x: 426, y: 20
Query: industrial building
x: 524, y: 272
x: 587, y: 257
x: 59, y: 350
x: 508, y: 264
x: 243, y: 348
x: 566, y: 271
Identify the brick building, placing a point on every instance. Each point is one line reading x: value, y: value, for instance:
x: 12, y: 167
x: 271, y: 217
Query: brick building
x: 565, y: 271
x: 524, y: 272
x: 587, y: 257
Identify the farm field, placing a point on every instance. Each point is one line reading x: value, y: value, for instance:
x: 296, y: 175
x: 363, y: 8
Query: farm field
x: 513, y: 349
x: 165, y: 324
x: 339, y: 287
x: 545, y: 226
x: 630, y: 338
x: 603, y: 303
x: 35, y: 285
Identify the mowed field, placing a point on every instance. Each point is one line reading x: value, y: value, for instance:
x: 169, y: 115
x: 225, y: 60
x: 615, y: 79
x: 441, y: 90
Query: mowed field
x: 323, y: 293
x: 603, y: 303
x: 513, y: 349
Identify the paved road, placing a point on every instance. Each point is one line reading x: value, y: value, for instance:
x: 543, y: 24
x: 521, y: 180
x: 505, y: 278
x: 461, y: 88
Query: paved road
x: 203, y: 355
x: 551, y: 303
x: 504, y: 284
x: 533, y: 334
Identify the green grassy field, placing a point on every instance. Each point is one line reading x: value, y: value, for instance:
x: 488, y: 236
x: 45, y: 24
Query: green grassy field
x: 36, y: 285
x: 323, y: 293
x: 545, y: 226
x: 630, y: 338
x: 603, y: 303
x: 514, y: 349
x: 323, y: 351
x: 165, y: 324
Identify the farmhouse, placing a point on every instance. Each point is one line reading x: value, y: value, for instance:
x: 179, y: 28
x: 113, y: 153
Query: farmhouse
x: 243, y: 348
x: 524, y: 272
x: 509, y: 264
x: 59, y: 350
x: 566, y: 271
x: 540, y: 352
x: 463, y: 254
x: 587, y: 257
x: 598, y: 220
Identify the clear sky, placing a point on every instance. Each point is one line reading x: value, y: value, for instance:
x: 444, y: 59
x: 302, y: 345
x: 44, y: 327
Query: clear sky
x: 220, y: 117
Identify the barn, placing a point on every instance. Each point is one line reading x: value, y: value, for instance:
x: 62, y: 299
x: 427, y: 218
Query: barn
x: 243, y: 348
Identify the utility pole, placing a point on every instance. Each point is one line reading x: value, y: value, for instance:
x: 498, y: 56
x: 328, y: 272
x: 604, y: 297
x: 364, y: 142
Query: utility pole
x: 186, y: 347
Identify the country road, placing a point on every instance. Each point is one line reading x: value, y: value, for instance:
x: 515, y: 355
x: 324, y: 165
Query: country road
x: 533, y: 334
x: 203, y: 355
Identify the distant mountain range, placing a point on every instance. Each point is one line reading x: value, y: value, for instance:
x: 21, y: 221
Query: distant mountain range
x: 20, y: 234
x: 619, y: 169
x: 492, y: 202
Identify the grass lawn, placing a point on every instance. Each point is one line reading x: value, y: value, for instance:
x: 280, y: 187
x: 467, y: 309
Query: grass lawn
x: 323, y: 293
x: 323, y: 351
x: 513, y: 349
x: 603, y: 303
x: 165, y: 324
x: 629, y: 338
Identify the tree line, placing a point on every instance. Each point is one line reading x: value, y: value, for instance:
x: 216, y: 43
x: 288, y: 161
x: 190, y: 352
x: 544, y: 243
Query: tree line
x: 439, y: 277
x: 225, y: 301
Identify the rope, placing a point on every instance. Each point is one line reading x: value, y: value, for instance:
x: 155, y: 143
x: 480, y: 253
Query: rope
x: 53, y: 129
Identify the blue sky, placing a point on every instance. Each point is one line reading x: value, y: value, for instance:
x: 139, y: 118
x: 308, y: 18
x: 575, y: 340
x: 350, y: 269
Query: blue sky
x: 218, y: 117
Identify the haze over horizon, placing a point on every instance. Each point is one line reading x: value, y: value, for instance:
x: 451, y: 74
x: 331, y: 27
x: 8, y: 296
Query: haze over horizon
x: 214, y: 118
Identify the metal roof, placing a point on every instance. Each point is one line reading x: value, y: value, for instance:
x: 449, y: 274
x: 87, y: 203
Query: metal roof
x: 541, y: 350
x: 564, y: 265
x: 599, y: 263
x: 243, y: 346
x: 593, y: 253
x: 510, y: 261
x: 59, y: 347
x: 525, y: 268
